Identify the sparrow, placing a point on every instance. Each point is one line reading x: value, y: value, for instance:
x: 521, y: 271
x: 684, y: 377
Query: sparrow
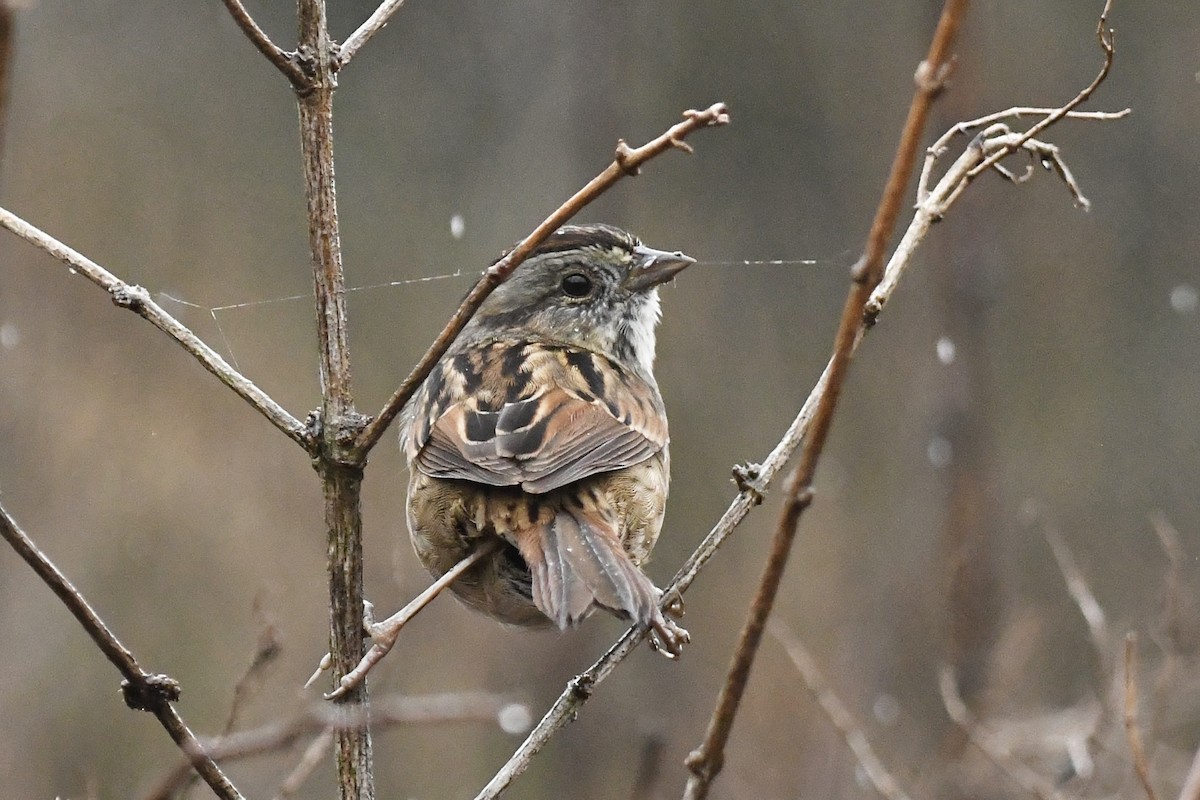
x: 541, y: 433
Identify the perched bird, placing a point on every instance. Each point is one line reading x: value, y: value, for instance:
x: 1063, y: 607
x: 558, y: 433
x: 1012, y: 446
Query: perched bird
x: 542, y: 431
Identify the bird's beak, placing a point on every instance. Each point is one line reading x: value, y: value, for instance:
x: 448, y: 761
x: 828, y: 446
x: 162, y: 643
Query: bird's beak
x: 655, y: 267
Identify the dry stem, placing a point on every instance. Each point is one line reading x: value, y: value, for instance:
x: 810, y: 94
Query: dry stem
x: 1132, y: 732
x: 706, y: 761
x: 142, y: 690
x: 983, y: 739
x: 373, y: 25
x: 285, y: 62
x: 324, y: 718
x: 137, y: 300
x: 837, y: 713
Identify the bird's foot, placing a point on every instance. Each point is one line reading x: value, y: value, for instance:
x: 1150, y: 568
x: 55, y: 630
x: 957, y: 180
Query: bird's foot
x: 666, y: 635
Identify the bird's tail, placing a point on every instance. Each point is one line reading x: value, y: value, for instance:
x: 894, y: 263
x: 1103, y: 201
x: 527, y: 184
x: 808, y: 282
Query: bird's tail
x: 576, y: 561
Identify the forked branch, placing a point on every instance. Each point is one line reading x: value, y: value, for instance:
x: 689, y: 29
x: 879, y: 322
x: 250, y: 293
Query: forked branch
x: 284, y: 61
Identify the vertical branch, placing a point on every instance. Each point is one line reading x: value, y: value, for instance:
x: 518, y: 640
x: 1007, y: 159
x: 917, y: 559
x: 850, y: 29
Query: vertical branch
x: 339, y: 423
x: 706, y: 761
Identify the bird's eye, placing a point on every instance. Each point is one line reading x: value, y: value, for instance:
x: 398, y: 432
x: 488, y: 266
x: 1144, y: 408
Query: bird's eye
x: 577, y: 285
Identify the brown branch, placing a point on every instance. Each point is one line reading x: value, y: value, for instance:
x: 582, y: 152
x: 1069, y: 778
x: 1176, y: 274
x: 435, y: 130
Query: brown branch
x: 627, y: 162
x: 985, y: 741
x: 284, y: 61
x: 339, y: 424
x: 373, y: 25
x: 753, y: 481
x: 321, y: 717
x: 1132, y: 734
x: 137, y: 300
x: 837, y: 713
x: 143, y: 691
x: 706, y: 761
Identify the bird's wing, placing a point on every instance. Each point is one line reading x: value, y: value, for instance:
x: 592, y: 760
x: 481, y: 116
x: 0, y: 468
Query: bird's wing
x: 540, y: 418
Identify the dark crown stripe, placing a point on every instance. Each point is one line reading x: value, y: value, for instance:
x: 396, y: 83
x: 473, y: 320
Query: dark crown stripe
x: 577, y: 237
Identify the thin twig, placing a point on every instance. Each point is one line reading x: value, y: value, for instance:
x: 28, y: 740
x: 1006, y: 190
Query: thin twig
x: 322, y: 717
x: 385, y: 633
x: 1107, y: 39
x: 1132, y: 733
x: 753, y: 481
x: 1081, y: 593
x: 706, y: 761
x: 265, y: 653
x: 627, y: 162
x: 374, y: 24
x: 983, y: 739
x: 137, y: 300
x: 312, y: 757
x: 283, y: 60
x: 142, y: 690
x: 874, y: 768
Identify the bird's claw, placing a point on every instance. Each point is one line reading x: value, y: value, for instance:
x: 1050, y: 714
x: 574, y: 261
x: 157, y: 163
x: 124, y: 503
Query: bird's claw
x: 667, y: 636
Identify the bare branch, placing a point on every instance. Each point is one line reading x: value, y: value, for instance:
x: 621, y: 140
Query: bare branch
x: 1081, y: 593
x: 983, y: 739
x: 339, y: 423
x: 137, y: 300
x: 837, y: 713
x: 753, y: 481
x: 284, y: 61
x: 932, y: 204
x: 142, y: 691
x: 327, y: 719
x: 384, y: 634
x: 8, y: 24
x: 374, y: 24
x: 627, y: 162
x: 308, y: 763
x: 1132, y: 734
x: 706, y: 761
x: 1107, y: 39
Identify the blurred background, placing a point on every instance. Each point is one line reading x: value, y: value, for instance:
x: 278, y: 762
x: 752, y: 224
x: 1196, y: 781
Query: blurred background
x: 1036, y: 370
